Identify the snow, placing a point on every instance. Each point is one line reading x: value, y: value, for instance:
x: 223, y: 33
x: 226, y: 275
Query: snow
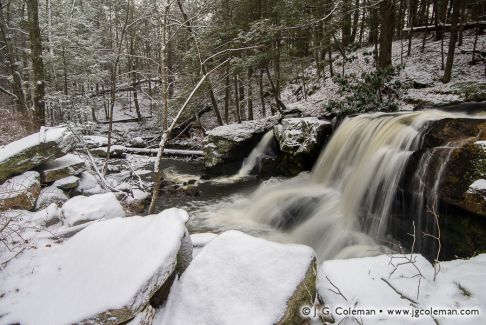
x: 107, y: 266
x: 49, y: 195
x: 63, y: 162
x: 80, y: 209
x: 238, y: 279
x: 93, y: 141
x: 458, y: 284
x: 15, y: 185
x: 478, y: 185
x: 44, y: 136
x: 200, y: 240
x: 243, y: 131
x: 422, y: 67
x: 64, y: 182
x: 88, y: 184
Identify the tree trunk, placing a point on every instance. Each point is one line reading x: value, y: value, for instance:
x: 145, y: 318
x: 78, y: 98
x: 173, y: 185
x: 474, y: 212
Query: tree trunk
x: 212, y: 96
x: 452, y: 40
x: 249, y: 93
x: 237, y: 100
x: 37, y: 63
x: 262, y: 95
x: 13, y: 66
x: 387, y: 12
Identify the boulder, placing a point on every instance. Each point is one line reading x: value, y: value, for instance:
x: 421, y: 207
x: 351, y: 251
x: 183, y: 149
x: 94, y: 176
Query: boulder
x: 68, y: 165
x: 239, y: 279
x: 50, y: 195
x: 301, y: 141
x: 81, y: 209
x: 138, y: 142
x: 116, y: 151
x: 29, y: 152
x: 88, y: 185
x: 105, y: 274
x: 67, y: 183
x: 226, y: 146
x: 20, y: 192
x: 95, y: 141
x: 475, y: 197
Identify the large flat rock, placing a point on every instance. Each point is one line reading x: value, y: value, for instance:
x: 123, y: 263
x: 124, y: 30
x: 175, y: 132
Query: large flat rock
x: 105, y: 274
x: 29, y: 152
x: 68, y: 165
x: 20, y: 192
x: 239, y: 279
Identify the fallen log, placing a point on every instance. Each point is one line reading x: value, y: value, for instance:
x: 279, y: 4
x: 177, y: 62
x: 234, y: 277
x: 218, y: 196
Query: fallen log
x: 126, y: 87
x: 184, y: 124
x: 128, y: 120
x: 447, y: 27
x: 169, y: 152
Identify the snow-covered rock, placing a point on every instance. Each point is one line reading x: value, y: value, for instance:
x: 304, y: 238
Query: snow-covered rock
x: 405, y: 282
x: 116, y: 151
x: 49, y: 195
x: 239, y: 279
x: 95, y: 141
x: 135, y: 201
x: 105, y: 274
x: 24, y: 154
x: 300, y: 141
x: 475, y: 197
x: 88, y: 184
x: 68, y: 165
x: 138, y: 142
x: 67, y: 183
x: 20, y: 192
x: 81, y: 209
x: 226, y: 146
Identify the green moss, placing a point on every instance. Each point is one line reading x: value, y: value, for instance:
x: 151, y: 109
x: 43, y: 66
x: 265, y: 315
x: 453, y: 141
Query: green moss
x: 471, y: 91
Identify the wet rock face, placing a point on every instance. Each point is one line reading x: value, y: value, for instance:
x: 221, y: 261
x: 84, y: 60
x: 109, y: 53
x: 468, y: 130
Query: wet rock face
x: 446, y: 175
x: 226, y: 146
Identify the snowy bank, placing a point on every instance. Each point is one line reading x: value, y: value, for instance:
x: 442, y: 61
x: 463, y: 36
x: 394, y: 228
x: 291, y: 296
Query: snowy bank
x: 403, y: 282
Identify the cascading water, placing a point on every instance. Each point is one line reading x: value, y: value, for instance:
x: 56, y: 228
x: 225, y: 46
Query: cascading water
x: 342, y: 208
x: 254, y: 159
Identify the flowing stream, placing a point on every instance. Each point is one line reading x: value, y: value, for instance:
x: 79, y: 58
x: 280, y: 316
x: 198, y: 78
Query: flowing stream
x: 342, y: 208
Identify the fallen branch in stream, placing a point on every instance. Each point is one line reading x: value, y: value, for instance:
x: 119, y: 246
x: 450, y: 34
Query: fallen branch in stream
x: 165, y: 136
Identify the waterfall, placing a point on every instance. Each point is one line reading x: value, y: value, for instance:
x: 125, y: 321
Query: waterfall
x: 342, y: 207
x: 256, y: 155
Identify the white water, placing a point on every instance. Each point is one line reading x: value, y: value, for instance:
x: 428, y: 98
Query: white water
x: 342, y: 208
x: 256, y: 155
